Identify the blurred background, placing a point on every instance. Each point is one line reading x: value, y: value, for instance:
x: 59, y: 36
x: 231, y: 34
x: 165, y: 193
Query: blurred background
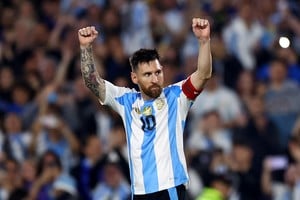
x: 242, y: 137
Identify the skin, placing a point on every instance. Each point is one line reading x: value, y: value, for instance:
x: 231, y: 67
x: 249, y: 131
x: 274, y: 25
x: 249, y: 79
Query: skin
x: 149, y: 76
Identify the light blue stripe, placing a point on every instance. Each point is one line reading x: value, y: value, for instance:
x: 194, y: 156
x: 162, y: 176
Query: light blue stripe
x: 127, y: 101
x: 172, y: 94
x: 173, y: 193
x: 148, y: 159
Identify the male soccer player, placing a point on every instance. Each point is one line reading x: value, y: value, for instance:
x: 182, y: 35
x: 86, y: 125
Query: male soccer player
x: 154, y: 116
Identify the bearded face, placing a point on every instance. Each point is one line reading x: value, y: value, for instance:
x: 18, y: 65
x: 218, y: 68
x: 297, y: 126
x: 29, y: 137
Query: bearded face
x: 149, y: 78
x: 152, y: 91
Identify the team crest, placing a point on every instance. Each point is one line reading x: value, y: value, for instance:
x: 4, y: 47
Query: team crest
x: 159, y: 103
x: 147, y: 110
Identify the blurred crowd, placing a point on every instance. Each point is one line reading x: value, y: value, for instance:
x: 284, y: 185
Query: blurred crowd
x: 242, y: 137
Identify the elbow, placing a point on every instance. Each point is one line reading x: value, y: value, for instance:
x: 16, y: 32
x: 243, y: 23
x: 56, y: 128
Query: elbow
x: 208, y: 76
x: 204, y: 75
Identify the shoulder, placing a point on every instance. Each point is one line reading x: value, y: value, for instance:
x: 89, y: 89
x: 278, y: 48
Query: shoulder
x: 130, y: 95
x: 174, y: 89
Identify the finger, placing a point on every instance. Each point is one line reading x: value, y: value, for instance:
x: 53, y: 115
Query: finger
x: 93, y: 30
x: 206, y: 22
x: 194, y: 22
x: 82, y: 32
x: 85, y: 32
x: 88, y: 31
x: 199, y: 22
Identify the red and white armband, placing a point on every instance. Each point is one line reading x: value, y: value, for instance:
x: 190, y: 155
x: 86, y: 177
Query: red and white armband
x: 189, y: 90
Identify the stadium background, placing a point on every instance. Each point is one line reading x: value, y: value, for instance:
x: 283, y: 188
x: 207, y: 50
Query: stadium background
x: 57, y: 142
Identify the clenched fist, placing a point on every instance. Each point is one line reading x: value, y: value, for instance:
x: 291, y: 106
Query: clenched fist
x: 86, y: 36
x: 201, y: 29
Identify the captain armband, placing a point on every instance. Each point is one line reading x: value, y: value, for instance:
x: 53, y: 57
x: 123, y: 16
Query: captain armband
x: 189, y: 90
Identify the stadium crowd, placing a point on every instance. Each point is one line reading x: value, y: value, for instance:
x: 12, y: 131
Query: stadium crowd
x: 242, y: 138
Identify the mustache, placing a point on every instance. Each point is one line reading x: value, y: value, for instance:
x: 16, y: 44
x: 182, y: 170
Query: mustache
x: 154, y: 86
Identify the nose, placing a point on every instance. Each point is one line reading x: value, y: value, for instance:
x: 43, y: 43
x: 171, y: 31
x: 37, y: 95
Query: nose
x: 154, y: 78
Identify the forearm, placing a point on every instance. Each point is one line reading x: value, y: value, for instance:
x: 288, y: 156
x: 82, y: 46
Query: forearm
x: 35, y: 188
x: 62, y: 71
x: 266, y: 183
x: 72, y: 140
x: 35, y: 130
x: 90, y: 75
x: 204, y: 65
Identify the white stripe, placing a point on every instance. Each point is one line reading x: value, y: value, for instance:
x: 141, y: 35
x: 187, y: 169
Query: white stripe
x: 179, y: 129
x: 136, y: 142
x: 162, y: 149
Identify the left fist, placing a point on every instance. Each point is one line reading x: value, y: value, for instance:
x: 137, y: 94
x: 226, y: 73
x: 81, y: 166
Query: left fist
x: 201, y: 29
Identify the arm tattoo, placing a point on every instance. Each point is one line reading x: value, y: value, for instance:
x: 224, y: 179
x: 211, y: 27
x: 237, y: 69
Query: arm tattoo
x: 90, y: 75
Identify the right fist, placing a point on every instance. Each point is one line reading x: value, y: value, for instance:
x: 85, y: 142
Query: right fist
x: 86, y: 36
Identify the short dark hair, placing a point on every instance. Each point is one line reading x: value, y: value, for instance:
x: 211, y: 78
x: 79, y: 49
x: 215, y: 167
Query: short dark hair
x: 142, y: 56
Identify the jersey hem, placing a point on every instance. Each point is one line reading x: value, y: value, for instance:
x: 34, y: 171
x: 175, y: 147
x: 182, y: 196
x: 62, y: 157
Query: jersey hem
x: 185, y: 183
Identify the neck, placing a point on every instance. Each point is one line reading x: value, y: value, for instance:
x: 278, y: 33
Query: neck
x: 146, y: 97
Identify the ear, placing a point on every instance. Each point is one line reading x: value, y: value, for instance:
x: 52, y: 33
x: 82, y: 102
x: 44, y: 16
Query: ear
x: 134, y: 77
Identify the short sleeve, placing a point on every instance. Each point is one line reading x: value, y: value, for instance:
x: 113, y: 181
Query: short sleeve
x: 112, y: 92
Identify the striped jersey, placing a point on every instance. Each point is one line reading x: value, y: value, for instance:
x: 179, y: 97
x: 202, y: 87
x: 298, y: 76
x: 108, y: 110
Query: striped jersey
x: 154, y: 133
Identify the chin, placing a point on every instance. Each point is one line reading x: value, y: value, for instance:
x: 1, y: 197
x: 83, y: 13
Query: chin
x: 155, y: 94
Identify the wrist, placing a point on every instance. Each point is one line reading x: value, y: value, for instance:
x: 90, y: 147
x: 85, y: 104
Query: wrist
x: 203, y: 40
x: 87, y: 46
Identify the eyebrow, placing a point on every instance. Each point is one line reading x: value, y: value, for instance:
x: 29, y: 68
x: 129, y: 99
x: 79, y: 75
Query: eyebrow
x: 150, y: 72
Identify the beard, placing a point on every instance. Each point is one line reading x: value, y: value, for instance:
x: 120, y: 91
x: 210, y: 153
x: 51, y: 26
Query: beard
x: 153, y: 91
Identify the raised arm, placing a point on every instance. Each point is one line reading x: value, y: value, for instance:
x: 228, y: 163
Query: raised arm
x: 201, y: 29
x: 89, y: 72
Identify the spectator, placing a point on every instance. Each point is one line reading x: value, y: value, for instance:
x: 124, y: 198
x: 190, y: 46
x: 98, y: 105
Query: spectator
x: 289, y: 56
x: 282, y: 97
x: 245, y: 87
x: 50, y: 132
x: 39, y: 63
x: 209, y: 134
x: 286, y: 189
x: 51, y: 178
x: 114, y: 185
x: 10, y: 179
x: 217, y: 97
x: 246, y: 168
x: 243, y: 34
x: 16, y: 142
x: 260, y: 129
x: 219, y: 189
x: 28, y: 173
x: 88, y: 171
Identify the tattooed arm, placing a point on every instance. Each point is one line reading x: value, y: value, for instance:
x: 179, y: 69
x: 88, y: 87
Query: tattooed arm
x: 89, y: 72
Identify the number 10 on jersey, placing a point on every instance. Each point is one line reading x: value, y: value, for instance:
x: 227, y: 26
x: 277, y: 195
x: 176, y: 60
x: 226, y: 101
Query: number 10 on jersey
x: 148, y: 122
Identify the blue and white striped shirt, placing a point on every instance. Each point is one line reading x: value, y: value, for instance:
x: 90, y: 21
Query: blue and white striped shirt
x: 154, y: 132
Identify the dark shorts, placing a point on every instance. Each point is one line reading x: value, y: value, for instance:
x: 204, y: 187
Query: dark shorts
x: 176, y: 193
